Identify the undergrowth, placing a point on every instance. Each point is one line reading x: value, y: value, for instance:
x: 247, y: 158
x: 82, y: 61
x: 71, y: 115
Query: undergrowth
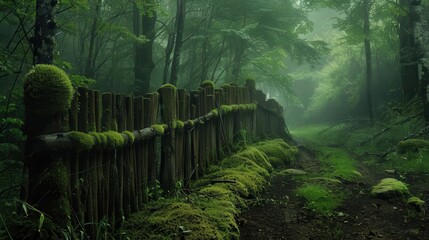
x: 320, y: 198
x: 209, y: 210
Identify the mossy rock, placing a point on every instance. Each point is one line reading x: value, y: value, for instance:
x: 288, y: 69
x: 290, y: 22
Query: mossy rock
x: 326, y: 180
x: 348, y: 175
x: 47, y: 90
x: 166, y: 223
x: 417, y: 204
x: 389, y: 188
x: 412, y: 145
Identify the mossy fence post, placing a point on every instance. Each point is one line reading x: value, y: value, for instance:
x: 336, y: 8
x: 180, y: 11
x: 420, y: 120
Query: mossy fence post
x: 47, y: 97
x: 168, y: 100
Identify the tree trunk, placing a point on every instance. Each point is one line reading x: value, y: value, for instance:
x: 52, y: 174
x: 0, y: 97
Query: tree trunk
x: 421, y: 38
x: 44, y: 32
x: 368, y: 58
x: 180, y: 26
x: 144, y: 64
x: 167, y: 62
x: 407, y: 54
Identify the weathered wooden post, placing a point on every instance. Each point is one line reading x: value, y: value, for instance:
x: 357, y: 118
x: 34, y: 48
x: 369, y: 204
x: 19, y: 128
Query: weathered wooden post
x: 47, y: 97
x: 168, y: 98
x: 251, y: 86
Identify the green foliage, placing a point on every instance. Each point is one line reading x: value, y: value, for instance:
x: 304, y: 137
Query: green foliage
x: 209, y: 211
x: 11, y: 137
x: 412, y: 145
x: 47, y: 90
x: 319, y: 198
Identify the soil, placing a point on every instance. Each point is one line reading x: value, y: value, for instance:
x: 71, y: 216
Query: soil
x: 280, y: 214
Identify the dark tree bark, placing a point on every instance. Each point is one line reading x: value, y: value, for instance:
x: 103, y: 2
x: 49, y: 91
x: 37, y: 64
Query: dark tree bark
x: 407, y: 54
x: 368, y: 58
x: 144, y: 64
x: 180, y: 26
x: 45, y: 29
x: 421, y: 38
x: 168, y: 52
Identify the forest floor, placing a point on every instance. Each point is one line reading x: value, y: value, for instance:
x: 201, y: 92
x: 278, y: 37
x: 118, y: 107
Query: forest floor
x: 279, y: 213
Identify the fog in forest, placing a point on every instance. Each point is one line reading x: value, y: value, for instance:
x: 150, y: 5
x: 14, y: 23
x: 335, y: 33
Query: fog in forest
x: 214, y: 119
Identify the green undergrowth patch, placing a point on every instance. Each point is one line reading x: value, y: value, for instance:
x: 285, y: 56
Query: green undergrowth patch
x: 319, y: 198
x: 415, y: 161
x: 337, y: 163
x: 209, y: 211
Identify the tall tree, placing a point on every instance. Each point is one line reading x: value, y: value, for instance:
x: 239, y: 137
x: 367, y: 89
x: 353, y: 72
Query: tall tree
x: 368, y: 57
x: 407, y: 52
x: 44, y: 32
x: 180, y: 26
x: 143, y: 63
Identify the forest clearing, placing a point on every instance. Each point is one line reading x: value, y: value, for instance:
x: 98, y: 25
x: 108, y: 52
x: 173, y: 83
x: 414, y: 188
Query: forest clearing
x: 214, y: 119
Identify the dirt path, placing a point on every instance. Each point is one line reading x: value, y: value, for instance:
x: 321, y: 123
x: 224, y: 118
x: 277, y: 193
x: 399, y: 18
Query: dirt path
x: 280, y: 214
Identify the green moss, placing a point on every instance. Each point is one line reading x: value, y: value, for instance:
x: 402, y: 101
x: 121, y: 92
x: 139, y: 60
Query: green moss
x: 166, y: 223
x: 215, y: 113
x: 225, y: 86
x: 320, y: 198
x: 179, y: 124
x: 113, y: 139
x: 276, y: 162
x: 416, y: 203
x: 412, y: 145
x: 347, y: 175
x: 100, y: 139
x: 208, y: 83
x: 81, y: 140
x: 190, y: 123
x: 278, y: 149
x: 130, y: 136
x: 389, y: 188
x: 159, y: 128
x: 257, y: 156
x: 55, y: 182
x: 168, y: 86
x: 47, y: 90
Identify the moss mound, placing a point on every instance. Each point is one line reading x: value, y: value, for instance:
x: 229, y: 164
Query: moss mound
x: 218, y: 198
x: 278, y: 149
x: 47, y: 90
x: 170, y: 222
x: 319, y: 198
x: 389, y: 188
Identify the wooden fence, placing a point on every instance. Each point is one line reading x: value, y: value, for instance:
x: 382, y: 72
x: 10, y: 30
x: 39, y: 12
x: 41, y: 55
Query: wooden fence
x: 102, y: 158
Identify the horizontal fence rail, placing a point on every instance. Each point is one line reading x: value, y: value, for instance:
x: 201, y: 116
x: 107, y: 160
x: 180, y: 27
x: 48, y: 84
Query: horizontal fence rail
x: 104, y: 158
